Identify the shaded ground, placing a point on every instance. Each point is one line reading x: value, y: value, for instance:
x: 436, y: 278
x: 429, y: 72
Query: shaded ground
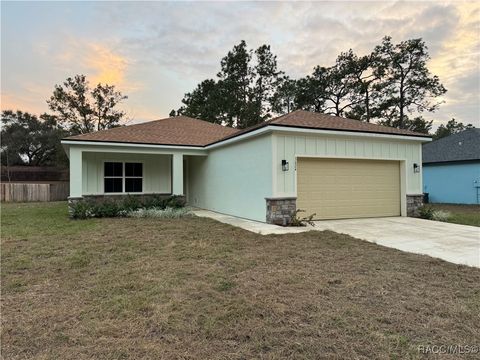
x: 461, y: 214
x: 196, y: 289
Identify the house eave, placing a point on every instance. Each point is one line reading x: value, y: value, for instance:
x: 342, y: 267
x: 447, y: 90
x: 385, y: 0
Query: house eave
x: 451, y: 162
x: 247, y: 135
x: 131, y: 144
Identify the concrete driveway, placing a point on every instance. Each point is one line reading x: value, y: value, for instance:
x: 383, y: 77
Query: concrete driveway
x: 459, y: 244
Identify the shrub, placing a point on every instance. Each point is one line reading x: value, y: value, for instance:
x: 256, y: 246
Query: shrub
x: 168, y: 213
x: 130, y: 204
x: 81, y: 210
x: 441, y: 215
x: 426, y: 212
x: 295, y: 220
x: 155, y: 201
x: 175, y: 202
x: 107, y: 209
x: 429, y: 213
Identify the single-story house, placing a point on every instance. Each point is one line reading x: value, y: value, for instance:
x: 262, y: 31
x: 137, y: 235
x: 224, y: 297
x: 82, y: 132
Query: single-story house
x: 451, y: 168
x: 327, y: 165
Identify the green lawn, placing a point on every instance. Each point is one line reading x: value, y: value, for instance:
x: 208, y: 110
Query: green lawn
x: 194, y: 288
x: 461, y: 214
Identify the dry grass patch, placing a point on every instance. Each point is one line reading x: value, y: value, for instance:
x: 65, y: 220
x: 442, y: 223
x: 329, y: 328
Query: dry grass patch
x: 195, y: 288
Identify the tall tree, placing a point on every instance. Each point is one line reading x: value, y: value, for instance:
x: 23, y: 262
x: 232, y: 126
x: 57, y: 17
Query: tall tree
x: 204, y: 102
x: 243, y: 93
x: 28, y: 140
x: 236, y: 76
x: 311, y: 93
x: 268, y: 79
x: 283, y: 100
x: 340, y: 84
x: 408, y: 87
x: 452, y: 127
x: 391, y: 85
x: 364, y: 85
x: 82, y: 109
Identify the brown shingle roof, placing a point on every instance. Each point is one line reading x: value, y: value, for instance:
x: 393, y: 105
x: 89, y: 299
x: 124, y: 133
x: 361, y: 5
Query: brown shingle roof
x: 313, y: 120
x: 178, y: 130
x: 307, y: 119
x: 186, y: 131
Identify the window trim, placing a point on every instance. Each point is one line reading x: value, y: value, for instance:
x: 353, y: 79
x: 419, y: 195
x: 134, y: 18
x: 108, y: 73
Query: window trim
x: 123, y: 177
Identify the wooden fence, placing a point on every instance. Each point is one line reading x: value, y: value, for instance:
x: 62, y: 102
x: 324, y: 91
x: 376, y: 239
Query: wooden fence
x: 19, y: 192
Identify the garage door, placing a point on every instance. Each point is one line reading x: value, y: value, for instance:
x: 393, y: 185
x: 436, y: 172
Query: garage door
x: 342, y: 189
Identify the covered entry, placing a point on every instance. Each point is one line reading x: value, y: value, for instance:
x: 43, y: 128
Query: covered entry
x: 348, y: 188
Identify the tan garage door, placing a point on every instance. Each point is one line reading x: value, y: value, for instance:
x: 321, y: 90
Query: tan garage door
x: 342, y: 189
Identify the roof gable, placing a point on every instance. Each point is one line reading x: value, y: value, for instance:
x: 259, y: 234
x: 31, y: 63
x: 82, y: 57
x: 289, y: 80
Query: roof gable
x: 463, y: 146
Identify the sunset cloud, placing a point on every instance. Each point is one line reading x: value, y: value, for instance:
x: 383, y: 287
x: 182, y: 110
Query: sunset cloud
x: 157, y: 51
x: 107, y: 67
x: 101, y: 63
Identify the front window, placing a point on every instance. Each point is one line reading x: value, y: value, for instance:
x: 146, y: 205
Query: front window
x: 123, y: 177
x: 133, y: 177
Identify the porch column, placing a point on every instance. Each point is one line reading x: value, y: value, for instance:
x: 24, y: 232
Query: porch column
x: 177, y: 168
x: 75, y: 172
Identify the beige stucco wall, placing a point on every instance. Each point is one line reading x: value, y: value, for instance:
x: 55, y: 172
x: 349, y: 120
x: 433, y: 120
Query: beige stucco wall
x: 289, y: 146
x: 156, y: 171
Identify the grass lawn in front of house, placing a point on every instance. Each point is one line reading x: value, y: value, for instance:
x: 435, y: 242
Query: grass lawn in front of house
x: 461, y: 214
x: 196, y: 288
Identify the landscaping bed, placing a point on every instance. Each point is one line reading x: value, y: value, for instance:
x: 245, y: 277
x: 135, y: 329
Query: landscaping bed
x: 194, y: 288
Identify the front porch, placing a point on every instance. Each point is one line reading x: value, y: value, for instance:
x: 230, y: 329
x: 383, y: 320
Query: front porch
x: 106, y: 172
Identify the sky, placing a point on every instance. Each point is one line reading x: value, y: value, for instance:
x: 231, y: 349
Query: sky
x: 155, y: 52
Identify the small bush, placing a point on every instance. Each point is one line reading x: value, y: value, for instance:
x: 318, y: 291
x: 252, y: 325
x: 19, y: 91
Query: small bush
x: 131, y: 203
x: 128, y: 205
x: 441, y: 215
x: 175, y: 202
x: 108, y: 209
x: 426, y: 212
x: 295, y: 220
x: 168, y: 213
x: 81, y: 210
x: 155, y: 201
x: 429, y: 213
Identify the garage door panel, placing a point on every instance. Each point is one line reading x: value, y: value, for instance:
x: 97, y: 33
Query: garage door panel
x: 341, y: 188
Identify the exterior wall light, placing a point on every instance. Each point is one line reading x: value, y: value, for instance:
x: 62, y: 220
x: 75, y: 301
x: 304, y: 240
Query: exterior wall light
x: 284, y: 165
x: 416, y: 168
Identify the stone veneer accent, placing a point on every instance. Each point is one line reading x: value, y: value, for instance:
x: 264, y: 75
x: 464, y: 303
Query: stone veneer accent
x: 414, y: 202
x: 101, y: 198
x: 281, y: 210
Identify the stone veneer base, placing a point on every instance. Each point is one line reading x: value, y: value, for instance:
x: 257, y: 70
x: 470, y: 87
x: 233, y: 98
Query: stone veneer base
x: 414, y: 203
x: 280, y: 210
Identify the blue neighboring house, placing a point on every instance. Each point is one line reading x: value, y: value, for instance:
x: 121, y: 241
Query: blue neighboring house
x: 451, y: 168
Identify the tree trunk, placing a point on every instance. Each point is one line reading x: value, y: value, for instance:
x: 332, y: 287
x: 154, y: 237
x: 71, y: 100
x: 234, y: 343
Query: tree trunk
x: 400, y: 123
x: 367, y: 104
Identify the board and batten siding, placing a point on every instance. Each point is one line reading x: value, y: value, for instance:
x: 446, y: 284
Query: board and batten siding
x: 290, y: 146
x: 233, y: 179
x: 156, y: 171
